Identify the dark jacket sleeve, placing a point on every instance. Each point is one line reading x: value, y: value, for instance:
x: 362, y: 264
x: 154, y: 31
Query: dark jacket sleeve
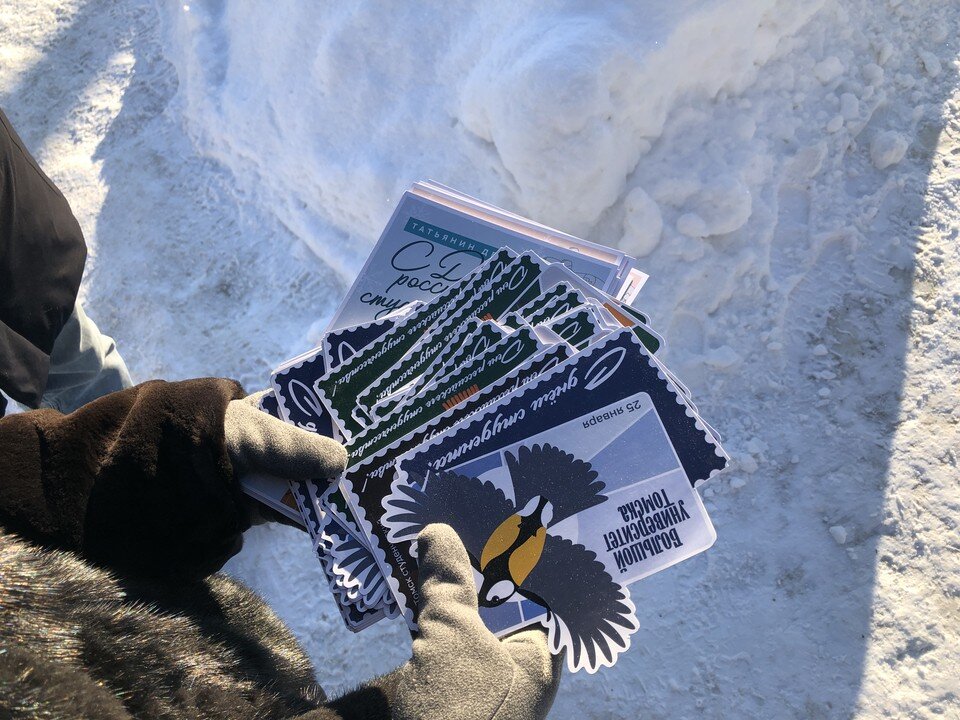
x: 42, y: 253
x: 139, y: 481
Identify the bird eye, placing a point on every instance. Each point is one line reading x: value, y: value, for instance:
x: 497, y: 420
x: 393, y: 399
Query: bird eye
x: 500, y: 591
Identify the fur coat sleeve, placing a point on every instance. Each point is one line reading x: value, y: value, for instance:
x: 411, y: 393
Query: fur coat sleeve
x: 112, y: 520
x: 138, y: 481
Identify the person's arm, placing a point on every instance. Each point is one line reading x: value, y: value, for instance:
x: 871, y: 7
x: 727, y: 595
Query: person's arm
x: 146, y: 480
x: 51, y: 353
x: 42, y: 253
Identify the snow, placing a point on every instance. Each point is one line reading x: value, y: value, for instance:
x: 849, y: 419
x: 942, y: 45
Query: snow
x: 839, y: 533
x: 931, y: 63
x: 720, y: 206
x: 828, y: 69
x: 642, y: 223
x: 888, y: 148
x: 786, y: 170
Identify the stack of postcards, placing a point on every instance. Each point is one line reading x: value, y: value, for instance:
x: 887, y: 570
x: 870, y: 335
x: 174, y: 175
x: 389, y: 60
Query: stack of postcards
x: 491, y: 373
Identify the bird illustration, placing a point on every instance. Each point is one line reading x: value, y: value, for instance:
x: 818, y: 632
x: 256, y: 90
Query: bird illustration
x: 511, y: 547
x: 513, y: 550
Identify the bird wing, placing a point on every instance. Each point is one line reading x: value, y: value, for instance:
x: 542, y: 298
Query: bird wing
x: 590, y: 616
x: 354, y: 562
x: 470, y: 506
x: 570, y: 485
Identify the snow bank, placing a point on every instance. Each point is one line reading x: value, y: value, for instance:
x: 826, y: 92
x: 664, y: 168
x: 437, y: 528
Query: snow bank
x: 332, y: 110
x: 564, y: 89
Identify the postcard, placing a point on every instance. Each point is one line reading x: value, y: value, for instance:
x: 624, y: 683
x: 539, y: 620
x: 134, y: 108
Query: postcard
x: 579, y: 463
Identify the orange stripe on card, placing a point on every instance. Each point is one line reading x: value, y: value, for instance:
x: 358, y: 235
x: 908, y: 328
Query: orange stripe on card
x: 455, y: 400
x: 621, y: 318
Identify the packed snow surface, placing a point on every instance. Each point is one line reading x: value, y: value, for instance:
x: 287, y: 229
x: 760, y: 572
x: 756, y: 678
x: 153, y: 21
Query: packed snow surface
x: 788, y: 173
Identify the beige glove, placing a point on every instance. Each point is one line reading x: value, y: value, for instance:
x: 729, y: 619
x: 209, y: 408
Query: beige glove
x: 259, y: 443
x: 459, y: 669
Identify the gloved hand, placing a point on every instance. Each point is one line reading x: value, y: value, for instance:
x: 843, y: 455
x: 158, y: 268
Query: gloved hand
x: 259, y: 443
x: 459, y: 669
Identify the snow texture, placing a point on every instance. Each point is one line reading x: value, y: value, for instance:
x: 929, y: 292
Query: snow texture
x: 788, y: 172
